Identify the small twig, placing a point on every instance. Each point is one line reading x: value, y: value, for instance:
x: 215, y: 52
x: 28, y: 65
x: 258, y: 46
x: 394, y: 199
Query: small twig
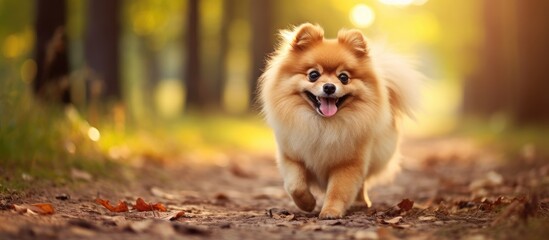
x: 155, y: 214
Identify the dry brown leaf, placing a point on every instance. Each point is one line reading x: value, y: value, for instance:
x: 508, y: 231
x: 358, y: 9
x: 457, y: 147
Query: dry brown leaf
x: 177, y: 216
x: 278, y: 214
x: 121, y: 207
x: 406, y: 204
x: 40, y: 208
x: 44, y: 208
x: 394, y: 220
x: 141, y: 205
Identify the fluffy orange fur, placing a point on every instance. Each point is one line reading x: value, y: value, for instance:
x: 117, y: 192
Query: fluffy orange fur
x: 340, y: 150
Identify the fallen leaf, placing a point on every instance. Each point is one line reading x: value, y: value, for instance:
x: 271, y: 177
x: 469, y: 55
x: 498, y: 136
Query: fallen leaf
x: 520, y: 207
x: 174, y: 217
x: 44, y: 208
x: 40, y: 208
x: 121, y: 207
x: 406, y: 204
x: 486, y: 205
x: 427, y: 218
x: 394, y: 220
x: 141, y: 205
x: 277, y: 213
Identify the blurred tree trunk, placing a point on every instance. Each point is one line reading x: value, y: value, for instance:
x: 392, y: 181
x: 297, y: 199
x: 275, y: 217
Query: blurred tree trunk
x: 485, y: 91
x: 530, y: 93
x: 512, y: 76
x: 262, y: 42
x: 52, y: 81
x: 221, y: 74
x: 193, y: 78
x: 212, y: 50
x: 102, y: 48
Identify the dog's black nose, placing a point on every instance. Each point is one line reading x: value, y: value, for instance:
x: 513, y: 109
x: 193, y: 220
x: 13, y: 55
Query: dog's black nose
x: 329, y: 88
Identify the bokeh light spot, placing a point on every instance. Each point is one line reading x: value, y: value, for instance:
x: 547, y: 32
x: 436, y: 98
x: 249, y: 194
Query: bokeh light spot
x: 12, y: 46
x: 362, y: 16
x: 94, y: 134
x: 169, y: 97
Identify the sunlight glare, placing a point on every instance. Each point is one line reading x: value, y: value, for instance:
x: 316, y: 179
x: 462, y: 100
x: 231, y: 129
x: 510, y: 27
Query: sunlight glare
x: 420, y: 2
x: 94, y: 134
x: 362, y: 16
x: 398, y: 2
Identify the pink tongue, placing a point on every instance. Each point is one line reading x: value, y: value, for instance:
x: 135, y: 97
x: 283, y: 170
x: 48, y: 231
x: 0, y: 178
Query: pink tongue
x: 328, y: 106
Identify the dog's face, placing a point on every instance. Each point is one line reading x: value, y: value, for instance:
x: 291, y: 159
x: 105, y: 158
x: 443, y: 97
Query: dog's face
x: 327, y: 76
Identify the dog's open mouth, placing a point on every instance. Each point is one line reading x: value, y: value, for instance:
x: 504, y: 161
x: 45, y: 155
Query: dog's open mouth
x: 326, y: 106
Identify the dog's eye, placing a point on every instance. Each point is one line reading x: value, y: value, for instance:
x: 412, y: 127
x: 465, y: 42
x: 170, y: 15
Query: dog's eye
x: 313, y: 76
x: 344, y: 78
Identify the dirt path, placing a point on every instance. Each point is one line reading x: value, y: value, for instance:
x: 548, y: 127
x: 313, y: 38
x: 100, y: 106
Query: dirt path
x: 458, y: 190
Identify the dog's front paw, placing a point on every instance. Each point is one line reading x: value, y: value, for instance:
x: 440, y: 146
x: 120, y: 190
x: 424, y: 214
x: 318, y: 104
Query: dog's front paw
x: 331, y: 214
x: 304, y: 200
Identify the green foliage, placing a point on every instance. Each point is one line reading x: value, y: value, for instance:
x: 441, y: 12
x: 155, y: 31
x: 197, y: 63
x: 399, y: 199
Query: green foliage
x: 501, y: 133
x: 41, y: 142
x: 191, y: 135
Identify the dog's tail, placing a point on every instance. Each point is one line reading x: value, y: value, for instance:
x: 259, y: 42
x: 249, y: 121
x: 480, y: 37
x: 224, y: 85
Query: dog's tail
x: 402, y: 79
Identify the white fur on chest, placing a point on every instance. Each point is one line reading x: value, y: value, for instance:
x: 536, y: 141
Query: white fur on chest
x: 318, y: 144
x: 321, y: 144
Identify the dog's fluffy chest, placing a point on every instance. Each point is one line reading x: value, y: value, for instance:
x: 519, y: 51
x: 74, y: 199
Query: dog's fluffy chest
x: 320, y: 145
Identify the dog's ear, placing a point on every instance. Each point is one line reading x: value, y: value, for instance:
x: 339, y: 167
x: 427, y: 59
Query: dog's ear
x: 305, y: 35
x: 355, y: 40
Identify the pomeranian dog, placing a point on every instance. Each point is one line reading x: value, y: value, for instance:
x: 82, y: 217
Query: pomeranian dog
x: 335, y: 106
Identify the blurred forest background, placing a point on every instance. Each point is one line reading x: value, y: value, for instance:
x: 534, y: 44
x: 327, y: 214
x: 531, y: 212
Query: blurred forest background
x: 120, y: 78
